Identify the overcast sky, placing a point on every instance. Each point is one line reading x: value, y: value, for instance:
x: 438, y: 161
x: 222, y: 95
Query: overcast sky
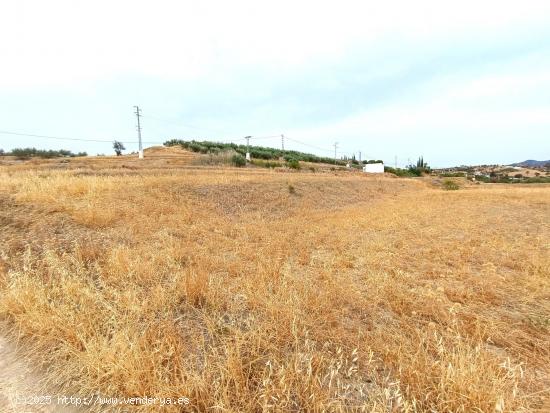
x: 459, y: 82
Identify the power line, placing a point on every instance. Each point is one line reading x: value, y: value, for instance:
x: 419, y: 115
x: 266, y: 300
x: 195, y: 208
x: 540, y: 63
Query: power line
x: 3, y: 132
x: 32, y: 135
x: 307, y: 144
x: 50, y: 137
x: 180, y: 123
x: 265, y: 137
x: 157, y: 142
x: 313, y: 146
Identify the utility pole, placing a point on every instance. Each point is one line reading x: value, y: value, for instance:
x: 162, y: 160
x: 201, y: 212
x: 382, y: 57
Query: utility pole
x: 138, y: 114
x: 359, y: 156
x: 247, y: 147
x: 283, y: 142
x: 395, y: 161
x: 335, y: 148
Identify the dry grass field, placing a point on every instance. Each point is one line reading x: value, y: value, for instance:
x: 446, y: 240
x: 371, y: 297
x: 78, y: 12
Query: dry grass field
x: 251, y: 290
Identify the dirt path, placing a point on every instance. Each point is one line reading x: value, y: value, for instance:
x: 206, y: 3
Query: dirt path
x: 19, y: 382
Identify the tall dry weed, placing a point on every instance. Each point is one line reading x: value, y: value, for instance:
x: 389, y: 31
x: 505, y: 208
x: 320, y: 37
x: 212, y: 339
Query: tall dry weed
x: 357, y: 295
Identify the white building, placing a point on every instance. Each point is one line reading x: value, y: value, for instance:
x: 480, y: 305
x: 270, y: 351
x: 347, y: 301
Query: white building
x: 374, y: 168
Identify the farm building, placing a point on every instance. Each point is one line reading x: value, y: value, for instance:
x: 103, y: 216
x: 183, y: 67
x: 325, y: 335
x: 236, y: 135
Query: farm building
x: 374, y: 168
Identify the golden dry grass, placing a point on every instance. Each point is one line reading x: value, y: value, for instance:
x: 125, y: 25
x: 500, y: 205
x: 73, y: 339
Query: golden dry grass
x: 345, y: 293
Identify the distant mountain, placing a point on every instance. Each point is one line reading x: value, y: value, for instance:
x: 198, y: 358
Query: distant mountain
x: 529, y: 163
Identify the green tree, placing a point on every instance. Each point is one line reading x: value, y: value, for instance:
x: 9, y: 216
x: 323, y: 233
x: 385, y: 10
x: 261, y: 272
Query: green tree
x: 420, y: 168
x: 238, y: 160
x: 118, y: 147
x: 421, y: 164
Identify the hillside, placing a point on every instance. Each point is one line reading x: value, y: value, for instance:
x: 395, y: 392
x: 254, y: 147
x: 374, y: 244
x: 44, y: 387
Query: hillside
x: 258, y: 152
x: 530, y: 163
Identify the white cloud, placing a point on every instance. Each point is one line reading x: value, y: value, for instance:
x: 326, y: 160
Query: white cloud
x: 494, y: 115
x: 65, y: 42
x: 248, y: 50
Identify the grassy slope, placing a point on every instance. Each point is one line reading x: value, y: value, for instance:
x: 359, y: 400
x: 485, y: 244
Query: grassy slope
x: 235, y: 290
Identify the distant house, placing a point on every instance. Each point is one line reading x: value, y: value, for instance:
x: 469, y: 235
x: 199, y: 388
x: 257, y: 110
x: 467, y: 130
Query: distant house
x: 374, y: 168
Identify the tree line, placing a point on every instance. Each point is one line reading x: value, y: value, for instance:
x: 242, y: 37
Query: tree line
x: 26, y: 153
x: 259, y: 152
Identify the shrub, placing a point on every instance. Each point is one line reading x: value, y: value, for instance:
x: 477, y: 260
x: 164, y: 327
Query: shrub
x: 26, y: 153
x: 291, y: 189
x: 450, y: 185
x: 398, y: 171
x: 536, y: 180
x: 415, y: 171
x: 266, y: 164
x: 216, y: 158
x: 238, y: 160
x: 293, y: 163
x: 453, y: 174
